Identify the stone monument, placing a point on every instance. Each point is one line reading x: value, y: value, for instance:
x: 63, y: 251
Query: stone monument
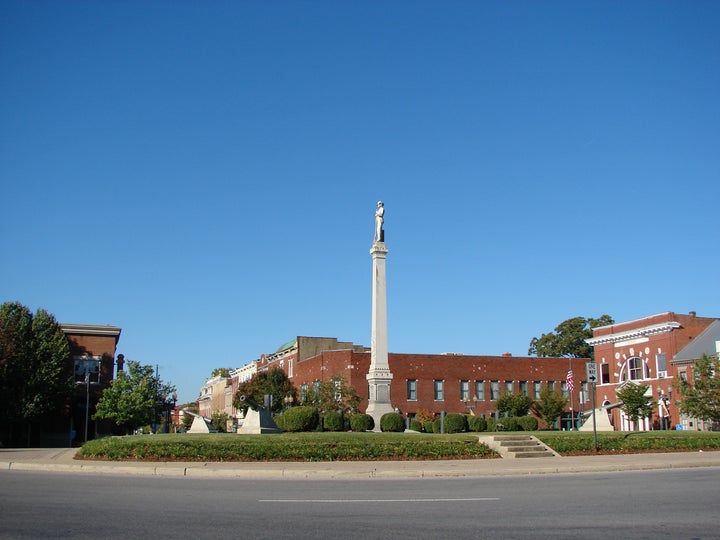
x: 379, y: 375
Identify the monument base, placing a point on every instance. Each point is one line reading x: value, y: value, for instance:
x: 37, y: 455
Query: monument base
x: 379, y: 397
x: 258, y: 422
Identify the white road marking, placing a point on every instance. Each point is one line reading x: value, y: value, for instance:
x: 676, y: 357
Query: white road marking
x: 470, y: 499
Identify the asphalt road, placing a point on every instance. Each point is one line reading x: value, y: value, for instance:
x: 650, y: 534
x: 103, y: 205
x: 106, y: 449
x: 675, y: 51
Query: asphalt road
x: 677, y: 504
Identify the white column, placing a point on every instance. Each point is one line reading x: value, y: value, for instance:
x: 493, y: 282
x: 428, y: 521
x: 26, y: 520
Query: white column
x: 379, y: 375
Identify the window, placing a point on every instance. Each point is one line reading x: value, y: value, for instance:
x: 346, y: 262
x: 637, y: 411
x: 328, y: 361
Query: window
x: 480, y: 390
x: 439, y: 390
x: 661, y: 365
x: 537, y: 389
x: 465, y: 390
x: 634, y: 369
x: 303, y: 392
x: 605, y: 374
x: 524, y: 388
x: 584, y: 392
x: 551, y: 386
x: 89, y: 365
x: 564, y: 389
x: 494, y: 390
x: 509, y: 387
x: 412, y: 389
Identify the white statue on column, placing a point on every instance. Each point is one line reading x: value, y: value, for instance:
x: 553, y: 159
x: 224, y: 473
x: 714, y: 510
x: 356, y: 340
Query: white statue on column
x: 379, y: 220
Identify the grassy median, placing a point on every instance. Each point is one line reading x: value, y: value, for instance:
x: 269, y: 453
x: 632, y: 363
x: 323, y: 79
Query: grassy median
x: 629, y: 442
x: 286, y: 447
x: 377, y: 446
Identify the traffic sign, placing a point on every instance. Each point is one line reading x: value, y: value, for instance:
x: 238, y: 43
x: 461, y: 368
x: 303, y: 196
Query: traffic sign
x: 591, y: 372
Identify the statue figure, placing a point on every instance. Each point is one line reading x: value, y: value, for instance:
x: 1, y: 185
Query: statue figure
x: 379, y: 213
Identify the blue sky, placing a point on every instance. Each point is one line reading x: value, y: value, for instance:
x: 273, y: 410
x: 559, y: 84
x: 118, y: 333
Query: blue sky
x: 205, y: 174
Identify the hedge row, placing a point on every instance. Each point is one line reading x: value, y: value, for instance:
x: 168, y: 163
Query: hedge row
x: 458, y: 423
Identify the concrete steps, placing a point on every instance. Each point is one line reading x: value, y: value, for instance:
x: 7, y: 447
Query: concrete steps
x: 517, y: 446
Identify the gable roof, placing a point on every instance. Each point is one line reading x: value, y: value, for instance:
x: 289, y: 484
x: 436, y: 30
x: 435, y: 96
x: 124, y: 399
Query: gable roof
x: 705, y: 343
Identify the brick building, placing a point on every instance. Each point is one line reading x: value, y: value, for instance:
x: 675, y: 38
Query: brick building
x: 642, y: 351
x: 447, y: 382
x: 92, y: 350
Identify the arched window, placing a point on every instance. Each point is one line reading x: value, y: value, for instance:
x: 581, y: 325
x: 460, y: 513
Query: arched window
x: 634, y: 369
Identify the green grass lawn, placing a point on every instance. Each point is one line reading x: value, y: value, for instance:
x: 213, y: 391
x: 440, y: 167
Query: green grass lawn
x: 325, y: 446
x: 618, y: 442
x: 330, y: 446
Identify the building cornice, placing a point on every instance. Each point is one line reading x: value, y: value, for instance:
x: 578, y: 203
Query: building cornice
x: 636, y: 333
x: 91, y: 329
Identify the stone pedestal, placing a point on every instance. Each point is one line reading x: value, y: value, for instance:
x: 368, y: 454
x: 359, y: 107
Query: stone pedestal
x: 257, y: 422
x: 379, y: 375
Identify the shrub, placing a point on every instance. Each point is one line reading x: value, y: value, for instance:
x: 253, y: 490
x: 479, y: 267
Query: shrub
x: 280, y: 421
x: 415, y: 425
x: 362, y: 422
x: 332, y: 421
x: 303, y: 418
x: 528, y: 423
x: 455, y: 423
x: 476, y: 423
x: 510, y: 423
x: 490, y: 424
x: 392, y: 422
x: 434, y: 426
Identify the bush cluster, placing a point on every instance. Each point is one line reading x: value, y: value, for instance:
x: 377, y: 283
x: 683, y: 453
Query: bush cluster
x: 393, y: 422
x: 332, y: 421
x: 362, y: 422
x: 459, y: 423
x: 303, y: 418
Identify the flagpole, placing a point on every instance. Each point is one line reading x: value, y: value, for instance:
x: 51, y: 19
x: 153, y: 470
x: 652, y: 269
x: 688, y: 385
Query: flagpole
x: 569, y: 380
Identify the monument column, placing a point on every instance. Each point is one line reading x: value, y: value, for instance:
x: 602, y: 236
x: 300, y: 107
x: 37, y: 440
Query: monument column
x: 379, y: 375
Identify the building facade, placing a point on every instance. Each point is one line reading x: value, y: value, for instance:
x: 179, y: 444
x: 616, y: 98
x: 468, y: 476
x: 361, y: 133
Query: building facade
x: 642, y: 352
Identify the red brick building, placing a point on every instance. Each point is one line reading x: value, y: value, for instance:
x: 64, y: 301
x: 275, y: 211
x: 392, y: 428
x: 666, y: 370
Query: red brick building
x: 641, y: 351
x: 447, y: 382
x: 92, y: 349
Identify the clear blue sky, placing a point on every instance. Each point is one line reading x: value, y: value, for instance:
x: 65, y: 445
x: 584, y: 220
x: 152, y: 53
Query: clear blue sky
x: 204, y: 174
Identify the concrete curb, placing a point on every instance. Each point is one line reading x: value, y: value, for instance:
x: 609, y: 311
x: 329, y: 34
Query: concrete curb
x: 62, y: 461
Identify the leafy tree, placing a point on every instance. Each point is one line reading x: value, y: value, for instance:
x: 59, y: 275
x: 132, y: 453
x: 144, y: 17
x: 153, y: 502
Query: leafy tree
x: 335, y: 395
x: 701, y: 397
x: 221, y: 372
x: 34, y: 359
x: 514, y: 404
x: 134, y: 398
x: 550, y: 406
x: 219, y: 421
x: 636, y: 404
x: 273, y: 382
x: 568, y: 338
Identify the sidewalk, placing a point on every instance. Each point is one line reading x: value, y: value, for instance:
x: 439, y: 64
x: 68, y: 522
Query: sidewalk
x: 62, y: 460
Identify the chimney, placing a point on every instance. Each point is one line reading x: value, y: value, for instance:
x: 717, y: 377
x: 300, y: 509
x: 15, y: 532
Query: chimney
x: 120, y: 362
x: 507, y: 354
x: 693, y: 314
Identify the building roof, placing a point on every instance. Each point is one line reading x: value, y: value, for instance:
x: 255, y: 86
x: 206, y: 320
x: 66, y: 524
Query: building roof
x: 705, y: 343
x: 635, y: 333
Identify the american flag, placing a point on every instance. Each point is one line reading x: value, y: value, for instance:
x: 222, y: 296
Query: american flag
x: 570, y: 380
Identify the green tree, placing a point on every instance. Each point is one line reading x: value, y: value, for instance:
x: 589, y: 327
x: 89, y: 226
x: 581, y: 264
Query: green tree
x: 568, y: 338
x: 135, y: 398
x: 34, y: 367
x: 550, y: 406
x: 700, y: 398
x: 335, y: 395
x: 273, y: 382
x: 636, y: 404
x: 221, y: 372
x: 219, y: 421
x: 513, y: 404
